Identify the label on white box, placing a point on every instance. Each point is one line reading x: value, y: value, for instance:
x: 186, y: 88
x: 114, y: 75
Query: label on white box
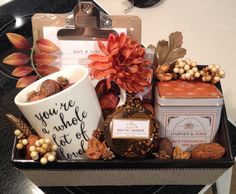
x: 74, y: 52
x: 130, y: 129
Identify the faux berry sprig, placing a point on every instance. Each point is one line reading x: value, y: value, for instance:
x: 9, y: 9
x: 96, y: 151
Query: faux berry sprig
x: 212, y: 73
x: 36, y: 148
x: 44, y: 150
x: 186, y: 69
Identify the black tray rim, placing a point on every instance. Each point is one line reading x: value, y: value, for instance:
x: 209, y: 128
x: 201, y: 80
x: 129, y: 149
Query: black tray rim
x: 122, y: 164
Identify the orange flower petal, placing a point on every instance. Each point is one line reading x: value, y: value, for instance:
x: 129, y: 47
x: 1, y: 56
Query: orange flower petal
x: 133, y: 68
x: 16, y: 59
x: 44, y: 59
x: 122, y: 39
x: 47, y: 46
x: 138, y: 87
x: 126, y: 53
x: 46, y: 70
x: 141, y: 51
x: 131, y: 88
x: 100, y: 65
x: 25, y: 81
x: 115, y: 51
x: 98, y: 58
x: 108, y: 82
x: 137, y: 61
x: 18, y: 41
x: 104, y: 74
x: 103, y: 48
x: 22, y: 71
x: 141, y: 82
x: 124, y: 86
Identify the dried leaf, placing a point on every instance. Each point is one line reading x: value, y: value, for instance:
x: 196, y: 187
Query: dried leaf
x: 25, y: 81
x: 18, y: 41
x: 95, y: 149
x: 162, y: 51
x: 47, y: 46
x: 174, y: 55
x: 19, y: 124
x: 22, y: 71
x: 176, y: 40
x: 46, y: 70
x: 167, y: 52
x: 44, y: 59
x: 16, y: 59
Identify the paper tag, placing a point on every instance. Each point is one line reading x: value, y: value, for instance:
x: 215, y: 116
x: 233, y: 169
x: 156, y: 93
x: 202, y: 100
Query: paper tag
x: 73, y: 52
x: 130, y: 129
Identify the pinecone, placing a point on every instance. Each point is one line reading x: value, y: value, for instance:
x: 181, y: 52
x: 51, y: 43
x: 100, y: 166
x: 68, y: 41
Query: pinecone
x: 97, y: 133
x: 108, y: 154
x: 23, y: 126
x: 63, y: 81
x: 161, y: 155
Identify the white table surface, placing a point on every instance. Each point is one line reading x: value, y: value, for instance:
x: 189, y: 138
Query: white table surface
x: 208, y: 27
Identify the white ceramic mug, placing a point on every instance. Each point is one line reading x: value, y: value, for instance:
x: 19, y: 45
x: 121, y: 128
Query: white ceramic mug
x: 67, y: 118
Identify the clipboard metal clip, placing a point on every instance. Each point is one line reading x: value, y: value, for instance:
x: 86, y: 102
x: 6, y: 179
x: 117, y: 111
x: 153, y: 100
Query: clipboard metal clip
x: 86, y: 22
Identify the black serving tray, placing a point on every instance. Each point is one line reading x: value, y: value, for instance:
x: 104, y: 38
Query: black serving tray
x: 222, y: 137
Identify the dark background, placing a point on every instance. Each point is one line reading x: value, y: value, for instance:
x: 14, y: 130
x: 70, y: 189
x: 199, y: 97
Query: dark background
x: 11, y: 179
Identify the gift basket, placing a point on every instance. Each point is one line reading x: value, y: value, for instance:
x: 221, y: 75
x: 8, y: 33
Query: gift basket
x: 101, y: 109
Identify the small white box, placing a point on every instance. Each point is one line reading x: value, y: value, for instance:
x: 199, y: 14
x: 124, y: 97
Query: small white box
x: 189, y: 112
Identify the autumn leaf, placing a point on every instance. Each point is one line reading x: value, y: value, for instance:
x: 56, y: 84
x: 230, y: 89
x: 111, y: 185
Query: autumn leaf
x: 176, y: 40
x: 162, y: 50
x: 46, y: 70
x: 22, y: 71
x: 95, y: 149
x: 25, y: 81
x: 18, y: 41
x: 44, y: 59
x: 16, y: 59
x: 177, y: 53
x: 47, y: 46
